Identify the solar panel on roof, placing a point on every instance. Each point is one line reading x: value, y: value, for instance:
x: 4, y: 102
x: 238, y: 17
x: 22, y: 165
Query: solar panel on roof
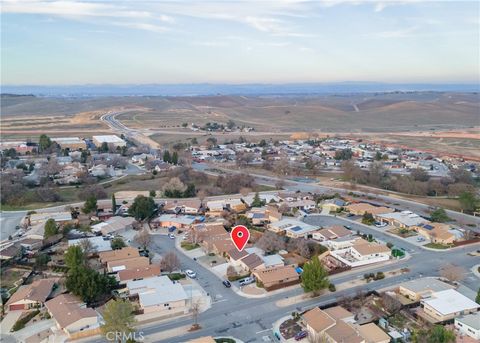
x: 296, y: 228
x: 428, y: 227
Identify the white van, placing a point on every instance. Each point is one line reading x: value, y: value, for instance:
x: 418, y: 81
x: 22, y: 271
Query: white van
x: 246, y: 281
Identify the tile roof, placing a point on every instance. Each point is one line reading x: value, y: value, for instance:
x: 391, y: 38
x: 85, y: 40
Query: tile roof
x: 67, y: 309
x: 139, y: 273
x: 318, y: 320
x: 37, y: 291
x: 120, y: 254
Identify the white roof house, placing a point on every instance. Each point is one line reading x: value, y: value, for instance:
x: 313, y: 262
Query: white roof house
x: 404, y: 218
x: 36, y: 218
x: 98, y: 243
x: 156, y: 291
x: 293, y: 227
x: 448, y: 304
x: 113, y: 224
x: 109, y: 139
x: 272, y: 260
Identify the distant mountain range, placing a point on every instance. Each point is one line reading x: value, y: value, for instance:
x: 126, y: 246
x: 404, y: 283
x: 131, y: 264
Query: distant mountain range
x: 202, y: 89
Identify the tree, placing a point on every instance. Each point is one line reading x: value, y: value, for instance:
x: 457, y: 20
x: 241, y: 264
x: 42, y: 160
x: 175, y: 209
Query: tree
x: 87, y: 247
x: 344, y: 154
x: 212, y: 142
x: 90, y: 205
x: 439, y: 216
x: 114, y: 204
x: 152, y: 193
x: 118, y: 318
x: 170, y: 262
x: 390, y: 303
x: 230, y: 124
x: 194, y: 141
x: 142, y: 207
x: 44, y: 142
x: 257, y: 202
x: 74, y: 257
x: 452, y: 272
x: 477, y: 299
x: 166, y: 156
x: 468, y: 201
x: 174, y: 188
x: 314, y: 276
x: 50, y: 228
x: 117, y: 243
x: 184, y: 124
x: 437, y: 334
x: 175, y: 158
x: 88, y: 284
x: 419, y: 174
x: 368, y: 219
x: 143, y: 238
x: 41, y: 260
x: 270, y: 242
x: 103, y: 147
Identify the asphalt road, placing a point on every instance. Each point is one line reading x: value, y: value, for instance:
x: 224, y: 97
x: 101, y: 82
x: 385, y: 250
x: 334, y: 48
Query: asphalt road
x: 251, y: 319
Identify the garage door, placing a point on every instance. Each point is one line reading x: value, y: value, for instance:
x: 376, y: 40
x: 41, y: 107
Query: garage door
x: 16, y: 307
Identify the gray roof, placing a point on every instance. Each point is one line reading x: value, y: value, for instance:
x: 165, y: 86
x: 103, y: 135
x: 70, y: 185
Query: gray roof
x: 425, y: 284
x: 157, y: 290
x: 472, y: 320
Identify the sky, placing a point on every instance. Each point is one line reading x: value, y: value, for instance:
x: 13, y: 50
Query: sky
x: 62, y: 42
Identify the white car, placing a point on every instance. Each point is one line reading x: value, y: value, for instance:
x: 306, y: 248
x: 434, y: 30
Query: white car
x: 190, y: 273
x: 171, y: 236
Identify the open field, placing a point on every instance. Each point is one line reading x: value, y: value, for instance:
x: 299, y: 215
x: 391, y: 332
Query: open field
x: 441, y: 122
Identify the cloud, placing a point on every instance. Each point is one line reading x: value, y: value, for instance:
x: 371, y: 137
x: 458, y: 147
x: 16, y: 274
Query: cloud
x: 270, y: 25
x: 402, y: 33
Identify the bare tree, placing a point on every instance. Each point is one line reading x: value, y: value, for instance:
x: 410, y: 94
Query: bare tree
x: 280, y: 184
x: 320, y: 337
x: 195, y: 308
x: 87, y: 247
x: 143, y: 238
x: 170, y: 262
x: 270, y: 242
x: 452, y: 272
x: 201, y: 195
x: 390, y: 303
x: 231, y: 271
x: 245, y: 190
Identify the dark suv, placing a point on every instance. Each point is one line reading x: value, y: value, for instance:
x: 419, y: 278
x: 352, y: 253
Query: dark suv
x: 227, y: 283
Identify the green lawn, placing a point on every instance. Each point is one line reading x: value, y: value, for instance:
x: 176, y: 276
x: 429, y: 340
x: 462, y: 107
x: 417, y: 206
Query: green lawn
x: 438, y: 246
x: 189, y: 246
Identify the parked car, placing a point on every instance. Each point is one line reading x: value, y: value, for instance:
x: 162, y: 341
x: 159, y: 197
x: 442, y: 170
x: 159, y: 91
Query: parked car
x: 190, y: 273
x: 350, y: 215
x: 171, y: 236
x: 171, y: 228
x: 227, y: 283
x: 420, y: 239
x: 301, y: 335
x: 246, y: 281
x: 347, y: 227
x: 378, y: 224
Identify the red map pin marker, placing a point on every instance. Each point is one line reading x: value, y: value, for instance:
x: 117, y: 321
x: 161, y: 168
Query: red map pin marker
x: 240, y: 236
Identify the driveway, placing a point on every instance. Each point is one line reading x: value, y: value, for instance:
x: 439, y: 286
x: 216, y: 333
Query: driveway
x: 9, y: 320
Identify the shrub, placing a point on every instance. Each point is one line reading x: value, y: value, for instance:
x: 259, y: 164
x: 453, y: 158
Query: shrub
x: 379, y: 276
x: 176, y: 276
x: 331, y: 287
x: 20, y: 324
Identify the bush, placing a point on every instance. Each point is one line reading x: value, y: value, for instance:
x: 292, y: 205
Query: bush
x: 331, y: 287
x: 176, y: 276
x: 390, y: 245
x: 20, y: 324
x: 379, y: 276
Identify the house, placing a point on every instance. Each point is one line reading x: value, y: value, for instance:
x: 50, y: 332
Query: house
x: 333, y: 205
x: 159, y: 294
x: 469, y: 325
x: 73, y: 317
x: 140, y: 159
x: 361, y: 208
x: 373, y: 334
x: 71, y: 143
x: 59, y: 217
x: 339, y: 313
x: 179, y: 221
x: 105, y: 211
x: 120, y: 254
x: 31, y: 244
x: 446, y: 305
x: 10, y: 252
x: 258, y: 216
x: 265, y: 197
x: 294, y: 196
x: 219, y: 244
x: 292, y: 227
x: 98, y: 243
x: 200, y: 232
x: 31, y: 296
x: 127, y: 263
x: 272, y: 261
x: 419, y: 289
x: 216, y: 207
x: 189, y: 206
x: 252, y: 262
x: 109, y: 139
x: 360, y: 253
x: 320, y: 323
x: 331, y: 233
x: 404, y: 219
x: 116, y: 224
x: 140, y: 273
x: 278, y: 277
x: 436, y: 232
x: 304, y: 205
